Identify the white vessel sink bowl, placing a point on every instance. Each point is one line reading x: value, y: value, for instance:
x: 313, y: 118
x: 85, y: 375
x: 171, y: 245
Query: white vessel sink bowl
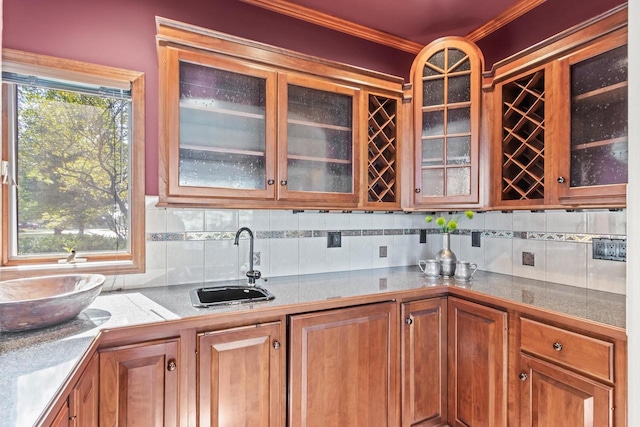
x: 37, y: 302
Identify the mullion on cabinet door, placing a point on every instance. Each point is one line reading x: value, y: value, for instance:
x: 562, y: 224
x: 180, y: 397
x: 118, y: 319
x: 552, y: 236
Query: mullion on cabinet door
x: 221, y: 126
x: 447, y: 141
x: 317, y: 131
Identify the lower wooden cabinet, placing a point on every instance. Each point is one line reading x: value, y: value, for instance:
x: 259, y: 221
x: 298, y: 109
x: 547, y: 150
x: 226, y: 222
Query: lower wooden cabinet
x: 139, y: 384
x: 343, y: 367
x: 477, y: 365
x: 424, y: 363
x: 84, y: 399
x: 550, y: 395
x: 62, y: 418
x: 80, y: 408
x: 241, y: 377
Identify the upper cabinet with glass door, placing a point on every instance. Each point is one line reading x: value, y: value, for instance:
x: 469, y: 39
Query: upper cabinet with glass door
x: 594, y: 162
x: 224, y: 124
x: 560, y: 122
x: 317, y: 140
x: 244, y: 124
x: 446, y: 88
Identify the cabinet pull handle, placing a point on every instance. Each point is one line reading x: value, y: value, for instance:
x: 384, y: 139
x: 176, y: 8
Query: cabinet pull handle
x: 276, y: 344
x: 408, y: 320
x: 557, y: 346
x: 418, y: 190
x: 270, y: 182
x: 171, y: 366
x: 561, y: 179
x: 283, y: 182
x: 523, y: 376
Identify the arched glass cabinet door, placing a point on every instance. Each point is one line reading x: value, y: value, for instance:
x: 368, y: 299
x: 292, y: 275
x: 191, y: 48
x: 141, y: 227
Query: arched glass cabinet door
x: 446, y: 86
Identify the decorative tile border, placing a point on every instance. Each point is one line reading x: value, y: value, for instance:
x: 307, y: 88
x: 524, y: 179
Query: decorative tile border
x: 295, y: 234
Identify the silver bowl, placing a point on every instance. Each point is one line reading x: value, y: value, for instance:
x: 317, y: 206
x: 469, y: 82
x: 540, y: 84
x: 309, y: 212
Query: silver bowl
x: 37, y: 302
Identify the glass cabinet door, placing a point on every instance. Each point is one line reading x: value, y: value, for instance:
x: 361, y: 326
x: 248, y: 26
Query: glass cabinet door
x: 447, y: 122
x: 595, y: 158
x: 599, y: 146
x: 316, y: 140
x: 225, y: 128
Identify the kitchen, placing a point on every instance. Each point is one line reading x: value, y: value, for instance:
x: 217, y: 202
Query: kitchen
x: 78, y: 44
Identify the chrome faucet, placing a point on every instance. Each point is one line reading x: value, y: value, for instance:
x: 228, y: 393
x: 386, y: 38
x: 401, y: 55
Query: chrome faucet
x: 251, y: 274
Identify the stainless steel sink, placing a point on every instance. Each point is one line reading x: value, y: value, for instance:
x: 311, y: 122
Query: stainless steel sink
x: 227, y: 295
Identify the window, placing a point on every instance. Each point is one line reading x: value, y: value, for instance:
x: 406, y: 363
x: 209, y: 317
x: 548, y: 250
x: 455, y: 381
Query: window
x: 72, y: 171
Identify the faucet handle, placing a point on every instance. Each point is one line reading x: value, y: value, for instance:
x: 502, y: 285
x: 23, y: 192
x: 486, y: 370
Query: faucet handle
x: 253, y: 275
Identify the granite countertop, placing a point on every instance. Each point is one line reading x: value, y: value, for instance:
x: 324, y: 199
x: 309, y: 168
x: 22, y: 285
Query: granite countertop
x: 37, y: 363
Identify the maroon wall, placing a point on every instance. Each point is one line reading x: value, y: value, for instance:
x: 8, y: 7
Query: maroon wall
x: 546, y: 20
x: 121, y: 33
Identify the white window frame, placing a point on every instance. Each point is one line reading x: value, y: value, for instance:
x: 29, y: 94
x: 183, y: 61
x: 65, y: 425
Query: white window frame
x: 133, y: 261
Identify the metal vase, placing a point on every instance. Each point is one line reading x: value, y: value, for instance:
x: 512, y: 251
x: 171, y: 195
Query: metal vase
x: 446, y: 257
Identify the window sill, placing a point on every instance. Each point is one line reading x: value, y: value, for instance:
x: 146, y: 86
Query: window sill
x: 104, y: 267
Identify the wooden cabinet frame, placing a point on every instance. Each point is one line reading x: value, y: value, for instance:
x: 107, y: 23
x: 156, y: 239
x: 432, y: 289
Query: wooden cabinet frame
x: 555, y: 56
x: 476, y: 64
x: 176, y: 40
x: 170, y: 161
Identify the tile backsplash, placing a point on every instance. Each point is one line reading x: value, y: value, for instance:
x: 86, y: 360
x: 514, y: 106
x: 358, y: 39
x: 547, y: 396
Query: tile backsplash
x: 194, y: 245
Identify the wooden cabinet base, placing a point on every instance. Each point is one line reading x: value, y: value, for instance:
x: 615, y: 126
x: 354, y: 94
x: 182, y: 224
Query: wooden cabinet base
x: 343, y: 367
x: 140, y: 382
x: 550, y: 394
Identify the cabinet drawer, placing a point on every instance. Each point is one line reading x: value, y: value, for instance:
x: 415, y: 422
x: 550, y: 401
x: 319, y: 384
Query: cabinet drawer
x: 576, y: 351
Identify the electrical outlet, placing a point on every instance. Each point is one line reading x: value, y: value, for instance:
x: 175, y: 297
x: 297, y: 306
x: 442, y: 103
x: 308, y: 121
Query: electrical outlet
x: 609, y: 249
x: 475, y: 239
x: 383, y: 251
x: 334, y: 239
x: 599, y: 248
x: 528, y: 258
x: 423, y: 236
x: 622, y: 249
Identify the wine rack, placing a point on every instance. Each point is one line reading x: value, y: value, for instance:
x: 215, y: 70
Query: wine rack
x: 523, y: 138
x: 382, y: 144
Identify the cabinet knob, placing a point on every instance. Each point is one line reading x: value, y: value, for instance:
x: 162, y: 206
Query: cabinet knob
x: 418, y: 190
x: 171, y: 366
x: 408, y: 320
x: 523, y: 376
x: 562, y: 179
x: 276, y: 344
x: 283, y: 182
x: 557, y: 346
x: 73, y: 417
x: 271, y: 182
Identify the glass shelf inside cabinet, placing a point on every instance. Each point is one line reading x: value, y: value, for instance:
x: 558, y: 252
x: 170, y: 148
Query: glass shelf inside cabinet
x: 319, y: 140
x: 446, y: 124
x: 222, y: 128
x: 599, y: 144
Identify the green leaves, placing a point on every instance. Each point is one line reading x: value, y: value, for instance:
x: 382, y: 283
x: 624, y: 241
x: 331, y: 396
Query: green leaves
x: 451, y: 224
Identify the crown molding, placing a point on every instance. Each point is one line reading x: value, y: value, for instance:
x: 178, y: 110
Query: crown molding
x: 509, y: 15
x: 342, y: 25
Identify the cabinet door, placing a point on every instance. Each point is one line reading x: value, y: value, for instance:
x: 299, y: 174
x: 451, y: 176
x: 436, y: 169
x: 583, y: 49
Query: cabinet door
x: 318, y: 155
x: 553, y: 396
x: 477, y: 365
x: 139, y: 385
x: 62, y: 418
x: 343, y: 367
x: 424, y: 363
x: 85, y: 395
x: 240, y: 377
x: 446, y: 79
x: 593, y: 162
x: 220, y: 127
